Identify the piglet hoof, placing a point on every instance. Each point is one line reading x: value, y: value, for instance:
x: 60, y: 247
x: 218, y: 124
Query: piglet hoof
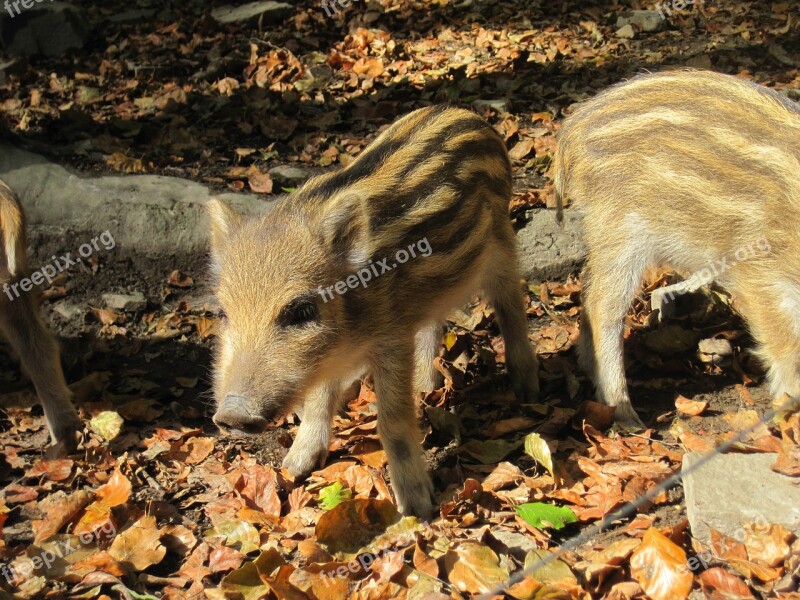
x: 301, y: 462
x: 415, y: 498
x: 66, y: 434
x: 526, y: 385
x: 626, y: 419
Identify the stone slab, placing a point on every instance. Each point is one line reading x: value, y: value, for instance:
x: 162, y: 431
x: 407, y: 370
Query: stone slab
x: 733, y: 490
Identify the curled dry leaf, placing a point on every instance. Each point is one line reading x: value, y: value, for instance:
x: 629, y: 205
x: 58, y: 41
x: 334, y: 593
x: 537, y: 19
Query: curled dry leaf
x: 691, y: 408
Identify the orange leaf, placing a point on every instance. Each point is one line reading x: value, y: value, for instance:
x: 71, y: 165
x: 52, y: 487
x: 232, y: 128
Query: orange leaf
x: 718, y: 584
x: 117, y: 491
x: 54, y: 470
x: 58, y: 512
x: 659, y: 565
x: 692, y: 408
x: 260, y: 183
x: 138, y: 547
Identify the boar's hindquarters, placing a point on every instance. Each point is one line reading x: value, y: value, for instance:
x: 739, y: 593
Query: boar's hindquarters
x: 22, y: 325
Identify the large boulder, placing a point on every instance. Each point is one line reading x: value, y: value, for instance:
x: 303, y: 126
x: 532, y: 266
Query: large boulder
x: 35, y: 27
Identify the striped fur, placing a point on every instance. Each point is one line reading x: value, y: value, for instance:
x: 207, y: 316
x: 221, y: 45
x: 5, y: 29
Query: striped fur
x: 21, y: 324
x: 439, y: 173
x: 686, y: 168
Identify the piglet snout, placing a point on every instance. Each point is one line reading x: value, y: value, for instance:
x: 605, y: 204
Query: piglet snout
x: 234, y: 414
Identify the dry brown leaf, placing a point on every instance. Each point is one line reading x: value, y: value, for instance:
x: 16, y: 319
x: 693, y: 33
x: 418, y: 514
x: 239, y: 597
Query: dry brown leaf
x: 139, y: 546
x: 659, y: 565
x: 474, y: 567
x: 54, y: 470
x: 718, y: 584
x: 689, y: 407
x: 58, y: 510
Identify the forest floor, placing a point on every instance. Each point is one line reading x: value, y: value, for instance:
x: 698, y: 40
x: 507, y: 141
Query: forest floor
x: 156, y: 503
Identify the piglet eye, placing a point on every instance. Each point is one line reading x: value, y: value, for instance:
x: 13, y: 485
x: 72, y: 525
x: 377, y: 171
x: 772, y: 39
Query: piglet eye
x: 298, y: 312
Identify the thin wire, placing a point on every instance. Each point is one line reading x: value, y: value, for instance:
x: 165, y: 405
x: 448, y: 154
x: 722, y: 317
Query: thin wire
x: 629, y: 508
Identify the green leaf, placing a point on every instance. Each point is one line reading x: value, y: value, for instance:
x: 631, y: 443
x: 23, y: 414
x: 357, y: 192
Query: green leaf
x: 543, y: 515
x: 332, y: 495
x: 288, y: 190
x: 108, y: 424
x: 538, y: 450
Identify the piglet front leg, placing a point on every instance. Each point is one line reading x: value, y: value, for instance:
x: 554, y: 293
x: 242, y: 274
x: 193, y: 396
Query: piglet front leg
x: 310, y: 447
x: 23, y: 327
x: 393, y: 371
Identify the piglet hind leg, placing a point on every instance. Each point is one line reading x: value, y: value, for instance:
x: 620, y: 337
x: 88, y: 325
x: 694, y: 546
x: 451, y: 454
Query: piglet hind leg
x: 611, y: 279
x: 392, y: 368
x: 772, y: 310
x: 502, y: 287
x: 21, y: 324
x: 310, y: 448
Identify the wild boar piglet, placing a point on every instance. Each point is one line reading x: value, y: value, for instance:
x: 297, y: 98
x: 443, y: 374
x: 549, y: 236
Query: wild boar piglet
x: 22, y: 326
x: 354, y: 273
x: 700, y: 171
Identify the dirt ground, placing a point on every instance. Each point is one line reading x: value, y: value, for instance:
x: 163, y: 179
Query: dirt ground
x: 195, y: 514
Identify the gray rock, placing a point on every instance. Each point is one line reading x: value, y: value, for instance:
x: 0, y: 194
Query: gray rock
x: 268, y: 10
x: 148, y: 215
x: 134, y: 15
x: 733, y: 490
x: 69, y: 311
x: 7, y: 68
x: 499, y: 105
x: 292, y: 176
x: 125, y: 302
x: 626, y: 31
x: 648, y: 21
x: 518, y: 544
x: 47, y: 28
x: 549, y: 250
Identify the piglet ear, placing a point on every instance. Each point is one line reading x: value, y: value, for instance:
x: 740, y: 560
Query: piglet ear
x: 344, y: 227
x: 224, y: 222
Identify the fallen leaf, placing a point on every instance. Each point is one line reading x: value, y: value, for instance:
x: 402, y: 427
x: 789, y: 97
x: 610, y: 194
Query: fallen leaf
x: 138, y: 547
x: 718, y: 584
x: 108, y: 424
x: 474, y: 567
x: 690, y: 407
x: 541, y: 515
x: 353, y: 523
x: 659, y: 565
x: 537, y: 449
